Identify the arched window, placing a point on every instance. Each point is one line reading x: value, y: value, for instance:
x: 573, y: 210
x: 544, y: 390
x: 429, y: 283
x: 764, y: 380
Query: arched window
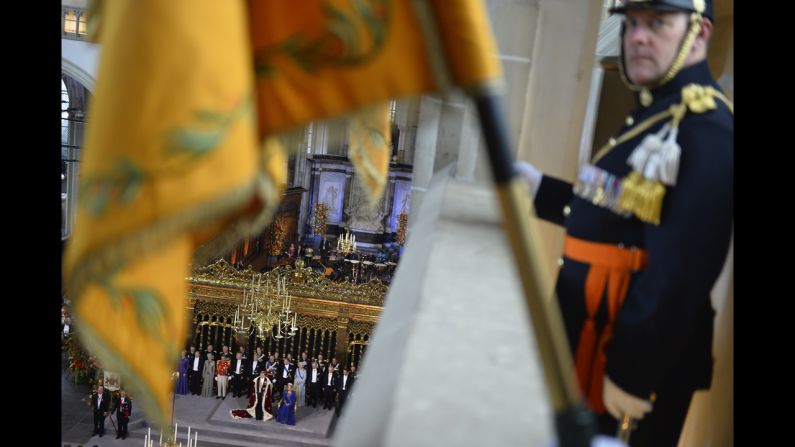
x: 64, y: 155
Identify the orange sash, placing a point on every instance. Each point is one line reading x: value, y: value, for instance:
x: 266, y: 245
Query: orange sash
x: 611, y: 266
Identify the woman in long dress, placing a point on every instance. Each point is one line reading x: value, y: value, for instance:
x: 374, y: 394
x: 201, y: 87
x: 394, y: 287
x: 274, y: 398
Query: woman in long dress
x: 300, y: 385
x: 286, y: 413
x: 208, y: 376
x: 182, y: 381
x: 259, y: 402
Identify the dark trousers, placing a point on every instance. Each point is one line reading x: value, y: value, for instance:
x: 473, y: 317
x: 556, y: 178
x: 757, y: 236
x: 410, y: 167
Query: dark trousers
x: 661, y: 427
x: 258, y: 413
x: 328, y: 397
x: 195, y: 382
x: 341, y: 401
x: 122, y: 429
x: 237, y: 385
x: 99, y: 422
x: 313, y: 394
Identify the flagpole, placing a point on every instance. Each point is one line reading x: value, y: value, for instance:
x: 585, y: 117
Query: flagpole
x: 575, y: 425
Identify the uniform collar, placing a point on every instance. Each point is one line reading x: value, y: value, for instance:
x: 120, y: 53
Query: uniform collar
x: 697, y: 73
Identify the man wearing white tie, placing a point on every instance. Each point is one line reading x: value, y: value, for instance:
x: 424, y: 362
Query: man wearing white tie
x: 99, y: 404
x: 196, y: 369
x: 314, y: 377
x: 344, y: 385
x: 328, y: 386
x: 238, y: 373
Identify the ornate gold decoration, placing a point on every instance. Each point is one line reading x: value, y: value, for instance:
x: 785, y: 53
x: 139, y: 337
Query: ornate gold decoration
x: 699, y: 98
x: 221, y: 273
x: 301, y: 282
x: 360, y: 327
x: 317, y: 323
x: 216, y: 309
x: 319, y: 219
x: 403, y: 220
x: 346, y: 243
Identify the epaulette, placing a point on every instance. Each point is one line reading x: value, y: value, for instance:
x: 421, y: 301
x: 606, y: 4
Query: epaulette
x: 655, y: 161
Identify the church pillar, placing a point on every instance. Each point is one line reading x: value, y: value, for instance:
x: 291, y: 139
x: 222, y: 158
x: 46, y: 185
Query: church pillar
x: 556, y: 96
x: 341, y: 346
x: 424, y: 151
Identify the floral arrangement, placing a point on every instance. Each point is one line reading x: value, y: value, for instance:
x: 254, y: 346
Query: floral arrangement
x: 403, y: 220
x: 80, y: 365
x: 277, y: 235
x: 320, y: 219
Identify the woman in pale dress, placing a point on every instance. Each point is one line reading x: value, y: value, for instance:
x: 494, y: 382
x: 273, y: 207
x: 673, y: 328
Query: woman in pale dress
x: 208, y: 376
x: 299, y: 385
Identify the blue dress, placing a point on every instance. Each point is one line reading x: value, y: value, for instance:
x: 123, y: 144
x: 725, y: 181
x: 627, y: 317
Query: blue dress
x: 182, y: 382
x: 286, y: 413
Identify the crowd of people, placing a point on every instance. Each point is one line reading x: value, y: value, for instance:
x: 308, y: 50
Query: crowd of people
x: 266, y: 379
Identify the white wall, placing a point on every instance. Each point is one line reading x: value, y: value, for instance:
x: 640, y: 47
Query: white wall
x: 79, y: 59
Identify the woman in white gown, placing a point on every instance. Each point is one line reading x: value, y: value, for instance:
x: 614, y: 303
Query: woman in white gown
x: 299, y: 385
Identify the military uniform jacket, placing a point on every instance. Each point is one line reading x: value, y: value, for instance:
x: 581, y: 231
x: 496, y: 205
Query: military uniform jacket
x: 123, y: 411
x: 664, y: 329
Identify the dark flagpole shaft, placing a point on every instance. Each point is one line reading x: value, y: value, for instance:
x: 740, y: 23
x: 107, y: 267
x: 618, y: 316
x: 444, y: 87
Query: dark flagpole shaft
x: 575, y: 425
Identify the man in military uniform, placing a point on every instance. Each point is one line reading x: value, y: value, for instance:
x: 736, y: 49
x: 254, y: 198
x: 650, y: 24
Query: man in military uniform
x: 648, y: 225
x: 122, y: 406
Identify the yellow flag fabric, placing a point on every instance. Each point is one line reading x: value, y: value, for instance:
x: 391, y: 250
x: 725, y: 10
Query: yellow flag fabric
x: 370, y: 147
x: 171, y: 166
x: 321, y: 58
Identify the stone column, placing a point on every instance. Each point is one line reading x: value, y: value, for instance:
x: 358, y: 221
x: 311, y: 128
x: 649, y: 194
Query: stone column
x: 470, y: 148
x: 407, y: 118
x: 319, y: 138
x: 562, y: 62
x: 341, y: 346
x: 424, y: 151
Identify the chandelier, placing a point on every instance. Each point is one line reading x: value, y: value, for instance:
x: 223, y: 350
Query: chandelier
x: 265, y: 307
x: 346, y: 243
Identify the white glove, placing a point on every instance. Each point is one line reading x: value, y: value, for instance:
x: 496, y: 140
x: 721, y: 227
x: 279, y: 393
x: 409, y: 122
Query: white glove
x: 530, y: 174
x: 618, y: 402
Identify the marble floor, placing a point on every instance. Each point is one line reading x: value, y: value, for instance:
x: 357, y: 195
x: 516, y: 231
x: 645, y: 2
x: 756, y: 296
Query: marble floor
x: 209, y: 416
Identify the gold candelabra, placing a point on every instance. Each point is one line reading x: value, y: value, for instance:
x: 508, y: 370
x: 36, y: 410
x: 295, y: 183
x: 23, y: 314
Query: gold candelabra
x: 346, y: 243
x: 265, y: 307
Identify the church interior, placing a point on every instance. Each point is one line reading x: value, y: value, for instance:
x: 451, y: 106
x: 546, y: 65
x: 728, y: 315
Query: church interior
x: 415, y: 294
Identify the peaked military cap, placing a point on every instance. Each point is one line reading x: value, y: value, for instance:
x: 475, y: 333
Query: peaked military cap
x: 704, y: 7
